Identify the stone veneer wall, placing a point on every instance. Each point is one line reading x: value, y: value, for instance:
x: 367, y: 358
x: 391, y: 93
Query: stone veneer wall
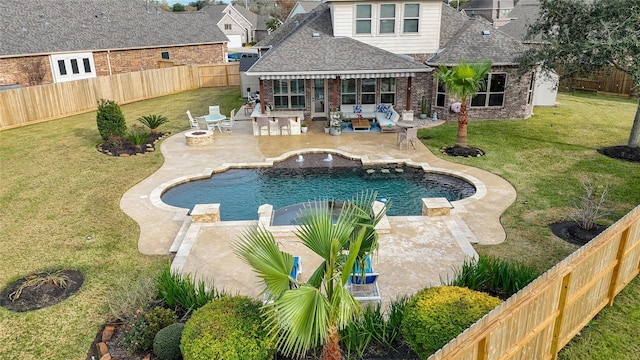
x: 515, y: 99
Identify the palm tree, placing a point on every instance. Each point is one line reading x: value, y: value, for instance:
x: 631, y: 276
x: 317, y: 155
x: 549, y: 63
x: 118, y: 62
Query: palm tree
x: 303, y: 315
x: 462, y: 81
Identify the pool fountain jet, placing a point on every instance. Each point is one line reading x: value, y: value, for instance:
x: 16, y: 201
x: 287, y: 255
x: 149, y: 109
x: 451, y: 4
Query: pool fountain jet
x: 300, y: 159
x: 329, y: 158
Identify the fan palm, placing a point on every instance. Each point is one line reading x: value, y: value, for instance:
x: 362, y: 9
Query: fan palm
x: 462, y: 81
x: 303, y: 315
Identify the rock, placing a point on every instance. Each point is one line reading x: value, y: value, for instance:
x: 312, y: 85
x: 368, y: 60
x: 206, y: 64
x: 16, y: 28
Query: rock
x: 124, y: 155
x: 102, y: 349
x: 107, y: 333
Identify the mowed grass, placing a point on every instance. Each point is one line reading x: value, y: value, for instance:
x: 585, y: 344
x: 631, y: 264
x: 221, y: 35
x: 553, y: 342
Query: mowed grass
x: 545, y: 157
x: 55, y: 190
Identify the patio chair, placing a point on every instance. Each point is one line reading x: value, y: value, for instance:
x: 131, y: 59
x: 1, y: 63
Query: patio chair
x: 227, y: 124
x: 283, y: 122
x: 364, y: 287
x: 409, y: 136
x: 263, y: 122
x: 214, y: 110
x: 193, y: 122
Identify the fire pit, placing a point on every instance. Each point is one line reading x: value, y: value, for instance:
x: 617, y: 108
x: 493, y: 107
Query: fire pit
x: 199, y: 137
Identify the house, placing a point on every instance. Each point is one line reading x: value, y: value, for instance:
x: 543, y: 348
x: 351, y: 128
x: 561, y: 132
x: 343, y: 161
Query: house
x: 345, y: 53
x: 239, y: 23
x: 303, y: 7
x: 45, y: 41
x: 496, y: 11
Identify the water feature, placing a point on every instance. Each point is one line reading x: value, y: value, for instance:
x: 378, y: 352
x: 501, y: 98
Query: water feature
x: 241, y: 191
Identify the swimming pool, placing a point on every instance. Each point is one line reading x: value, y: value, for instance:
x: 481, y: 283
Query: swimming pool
x: 241, y: 191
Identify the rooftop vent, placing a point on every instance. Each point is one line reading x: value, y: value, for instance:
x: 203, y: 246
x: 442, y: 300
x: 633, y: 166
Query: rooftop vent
x: 315, y: 35
x: 486, y: 32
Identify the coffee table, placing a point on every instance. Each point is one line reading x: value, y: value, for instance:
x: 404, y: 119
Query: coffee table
x: 361, y: 125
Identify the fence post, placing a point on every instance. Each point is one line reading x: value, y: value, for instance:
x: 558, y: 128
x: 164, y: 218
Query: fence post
x: 615, y: 277
x: 562, y: 303
x: 483, y: 348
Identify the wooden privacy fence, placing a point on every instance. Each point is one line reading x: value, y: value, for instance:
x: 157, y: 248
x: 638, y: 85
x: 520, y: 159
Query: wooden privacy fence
x: 34, y: 104
x: 612, y: 82
x: 539, y: 320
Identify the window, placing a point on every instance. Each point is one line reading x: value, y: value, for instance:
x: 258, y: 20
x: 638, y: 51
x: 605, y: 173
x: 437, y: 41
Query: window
x: 363, y: 19
x: 288, y: 94
x: 227, y: 26
x: 411, y: 17
x: 387, y: 18
x: 440, y: 94
x: 492, y: 93
x: 165, y: 55
x: 74, y: 66
x: 368, y: 91
x: 87, y: 65
x: 62, y: 67
x: 532, y: 83
x: 349, y: 91
x: 388, y: 91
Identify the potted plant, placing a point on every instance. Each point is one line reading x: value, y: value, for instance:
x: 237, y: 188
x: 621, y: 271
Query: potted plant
x: 304, y: 127
x: 335, y: 123
x: 423, y: 108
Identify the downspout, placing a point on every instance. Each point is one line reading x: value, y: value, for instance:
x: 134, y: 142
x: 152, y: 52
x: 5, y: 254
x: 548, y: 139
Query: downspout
x: 109, y: 62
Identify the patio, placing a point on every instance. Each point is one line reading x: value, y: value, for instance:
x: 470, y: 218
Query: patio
x: 415, y: 251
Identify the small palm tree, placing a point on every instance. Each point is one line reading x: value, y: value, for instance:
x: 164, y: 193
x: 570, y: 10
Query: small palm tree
x: 302, y: 315
x: 463, y: 81
x: 153, y: 122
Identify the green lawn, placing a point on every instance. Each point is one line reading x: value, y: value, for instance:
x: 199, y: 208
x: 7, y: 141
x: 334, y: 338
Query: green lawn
x: 56, y: 189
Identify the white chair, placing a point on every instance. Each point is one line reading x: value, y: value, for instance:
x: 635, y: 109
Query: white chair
x: 227, y: 124
x: 283, y: 122
x: 214, y: 110
x: 408, y: 136
x: 193, y: 122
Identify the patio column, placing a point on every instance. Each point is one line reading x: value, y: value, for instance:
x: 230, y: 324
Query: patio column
x: 335, y: 93
x: 408, y: 103
x: 263, y: 108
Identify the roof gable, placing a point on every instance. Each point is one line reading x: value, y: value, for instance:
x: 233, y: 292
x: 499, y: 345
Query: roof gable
x: 55, y: 26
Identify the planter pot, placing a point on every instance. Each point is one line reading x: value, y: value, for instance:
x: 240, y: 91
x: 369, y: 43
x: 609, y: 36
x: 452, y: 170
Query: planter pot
x: 334, y: 131
x: 326, y: 130
x: 304, y: 129
x: 423, y: 116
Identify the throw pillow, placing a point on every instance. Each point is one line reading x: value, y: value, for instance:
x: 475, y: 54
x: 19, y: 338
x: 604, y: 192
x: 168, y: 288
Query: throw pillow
x: 389, y: 114
x: 357, y: 109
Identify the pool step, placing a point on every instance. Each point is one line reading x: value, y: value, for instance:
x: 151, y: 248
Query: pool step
x: 180, y: 236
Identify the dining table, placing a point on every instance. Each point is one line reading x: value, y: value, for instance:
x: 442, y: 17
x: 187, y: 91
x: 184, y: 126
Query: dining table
x: 215, y: 120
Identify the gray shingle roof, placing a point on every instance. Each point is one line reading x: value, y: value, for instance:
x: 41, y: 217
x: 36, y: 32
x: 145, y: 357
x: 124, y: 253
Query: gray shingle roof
x: 302, y: 52
x: 523, y: 14
x: 215, y: 12
x: 54, y: 26
x: 468, y: 43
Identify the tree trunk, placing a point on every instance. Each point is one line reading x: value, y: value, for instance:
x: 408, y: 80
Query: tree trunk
x: 463, y: 120
x: 331, y: 348
x: 634, y: 138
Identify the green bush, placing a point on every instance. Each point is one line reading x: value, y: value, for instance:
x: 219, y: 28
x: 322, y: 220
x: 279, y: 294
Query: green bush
x: 166, y: 345
x: 142, y: 328
x: 498, y: 277
x: 137, y: 135
x: 434, y: 316
x: 227, y: 328
x: 179, y: 292
x: 110, y: 119
x: 153, y: 122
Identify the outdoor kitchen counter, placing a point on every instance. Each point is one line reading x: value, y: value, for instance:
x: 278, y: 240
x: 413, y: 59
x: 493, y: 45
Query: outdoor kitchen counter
x: 295, y: 119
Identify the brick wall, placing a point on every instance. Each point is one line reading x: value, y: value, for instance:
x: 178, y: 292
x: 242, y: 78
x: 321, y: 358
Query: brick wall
x: 16, y: 70
x: 515, y: 99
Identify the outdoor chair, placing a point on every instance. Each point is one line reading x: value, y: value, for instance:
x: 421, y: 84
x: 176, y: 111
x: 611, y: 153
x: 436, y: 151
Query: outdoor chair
x: 214, y: 110
x: 283, y: 123
x: 193, y: 122
x: 227, y: 124
x: 364, y: 287
x: 408, y: 136
x: 263, y: 122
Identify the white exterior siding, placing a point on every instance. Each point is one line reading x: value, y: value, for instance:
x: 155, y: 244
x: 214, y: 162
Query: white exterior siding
x: 424, y: 42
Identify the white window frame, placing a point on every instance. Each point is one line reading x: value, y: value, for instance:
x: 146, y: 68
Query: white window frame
x: 364, y: 19
x: 412, y: 18
x: 66, y: 59
x: 393, y: 19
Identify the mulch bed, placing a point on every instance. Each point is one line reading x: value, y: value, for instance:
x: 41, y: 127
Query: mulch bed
x: 462, y: 151
x: 622, y: 153
x: 41, y: 295
x: 572, y: 232
x: 127, y: 148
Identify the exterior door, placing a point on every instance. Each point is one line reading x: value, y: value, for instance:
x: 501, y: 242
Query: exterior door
x: 319, y: 99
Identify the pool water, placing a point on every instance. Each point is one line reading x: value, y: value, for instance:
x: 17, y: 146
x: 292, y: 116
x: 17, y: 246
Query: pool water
x: 241, y: 191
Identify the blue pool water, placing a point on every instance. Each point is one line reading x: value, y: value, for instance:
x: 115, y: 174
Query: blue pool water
x: 241, y: 191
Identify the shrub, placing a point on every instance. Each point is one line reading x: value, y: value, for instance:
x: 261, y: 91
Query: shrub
x: 227, y: 328
x: 434, y: 316
x: 137, y: 135
x: 142, y: 329
x: 110, y: 119
x: 129, y: 297
x: 166, y: 345
x: 182, y: 294
x: 492, y: 275
x: 153, y: 122
x: 589, y: 208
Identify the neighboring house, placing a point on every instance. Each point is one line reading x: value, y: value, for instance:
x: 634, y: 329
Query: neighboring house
x: 524, y: 14
x: 346, y: 53
x: 303, y: 7
x: 45, y: 41
x: 495, y: 11
x: 239, y: 24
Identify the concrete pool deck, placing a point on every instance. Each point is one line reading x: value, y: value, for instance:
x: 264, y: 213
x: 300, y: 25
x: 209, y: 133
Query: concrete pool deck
x: 415, y: 251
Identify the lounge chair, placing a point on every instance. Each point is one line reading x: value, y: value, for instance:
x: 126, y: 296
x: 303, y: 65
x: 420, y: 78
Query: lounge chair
x: 364, y: 287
